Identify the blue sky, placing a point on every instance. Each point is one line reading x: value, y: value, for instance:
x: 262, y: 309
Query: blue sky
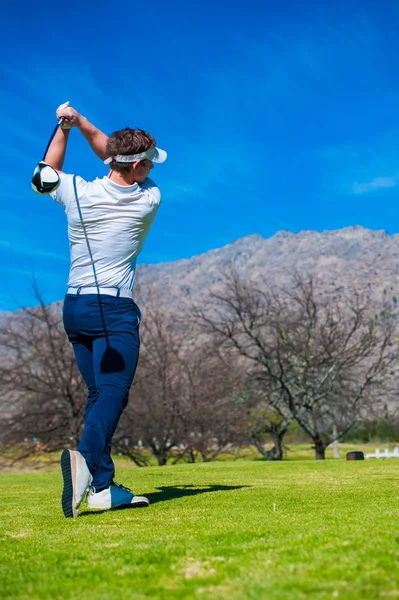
x: 274, y: 117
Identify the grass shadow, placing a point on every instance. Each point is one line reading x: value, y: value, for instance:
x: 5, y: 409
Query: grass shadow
x: 171, y: 492
x: 166, y: 493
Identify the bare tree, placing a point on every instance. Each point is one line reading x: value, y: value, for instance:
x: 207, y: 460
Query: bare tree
x: 213, y: 403
x: 320, y: 357
x: 153, y: 415
x: 265, y: 419
x: 186, y: 397
x: 42, y: 392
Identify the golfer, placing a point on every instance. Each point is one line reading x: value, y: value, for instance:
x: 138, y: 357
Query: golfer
x: 108, y: 221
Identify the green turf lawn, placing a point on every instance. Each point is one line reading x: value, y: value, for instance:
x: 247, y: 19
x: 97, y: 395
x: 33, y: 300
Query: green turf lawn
x: 210, y: 532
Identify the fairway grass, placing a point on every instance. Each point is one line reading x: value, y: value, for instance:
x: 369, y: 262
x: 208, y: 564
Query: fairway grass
x: 229, y: 530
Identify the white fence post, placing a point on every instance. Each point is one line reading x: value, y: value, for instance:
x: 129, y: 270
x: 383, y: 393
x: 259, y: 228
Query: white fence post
x: 385, y: 454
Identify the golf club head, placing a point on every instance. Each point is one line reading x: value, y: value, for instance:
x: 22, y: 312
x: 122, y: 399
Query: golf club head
x: 45, y: 179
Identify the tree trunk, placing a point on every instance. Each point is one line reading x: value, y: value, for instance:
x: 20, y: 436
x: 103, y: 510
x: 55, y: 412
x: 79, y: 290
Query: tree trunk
x: 272, y: 454
x: 205, y: 457
x: 335, y: 442
x: 320, y: 449
x: 161, y: 458
x: 278, y: 444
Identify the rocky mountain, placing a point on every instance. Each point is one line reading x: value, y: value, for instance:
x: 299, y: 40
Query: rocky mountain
x: 353, y: 256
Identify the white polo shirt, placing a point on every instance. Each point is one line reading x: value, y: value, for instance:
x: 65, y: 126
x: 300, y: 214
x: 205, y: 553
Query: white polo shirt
x: 117, y: 219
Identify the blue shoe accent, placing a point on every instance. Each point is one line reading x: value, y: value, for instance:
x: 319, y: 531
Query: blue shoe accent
x: 115, y: 496
x: 120, y: 495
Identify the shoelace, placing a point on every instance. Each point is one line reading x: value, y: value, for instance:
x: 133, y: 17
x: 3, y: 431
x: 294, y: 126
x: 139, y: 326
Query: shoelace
x: 122, y: 487
x: 118, y: 485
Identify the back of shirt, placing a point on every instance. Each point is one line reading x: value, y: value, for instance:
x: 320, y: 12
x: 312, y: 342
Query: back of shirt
x: 117, y: 219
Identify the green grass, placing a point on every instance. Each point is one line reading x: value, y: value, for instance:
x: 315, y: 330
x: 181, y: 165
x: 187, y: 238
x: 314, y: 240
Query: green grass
x: 210, y: 532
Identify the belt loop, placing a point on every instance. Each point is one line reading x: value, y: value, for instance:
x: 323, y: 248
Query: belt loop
x: 118, y: 292
x: 79, y: 290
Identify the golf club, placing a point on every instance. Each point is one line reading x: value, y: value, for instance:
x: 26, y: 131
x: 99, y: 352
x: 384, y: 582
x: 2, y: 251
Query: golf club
x: 45, y: 179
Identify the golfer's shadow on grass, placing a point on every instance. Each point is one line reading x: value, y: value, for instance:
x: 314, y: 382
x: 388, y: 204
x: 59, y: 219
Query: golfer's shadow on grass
x: 165, y: 493
x: 170, y: 492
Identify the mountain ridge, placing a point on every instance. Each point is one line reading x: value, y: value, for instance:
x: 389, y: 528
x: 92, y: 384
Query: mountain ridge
x: 353, y: 255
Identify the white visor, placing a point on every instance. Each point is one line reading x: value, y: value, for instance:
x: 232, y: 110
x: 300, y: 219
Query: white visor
x: 156, y: 155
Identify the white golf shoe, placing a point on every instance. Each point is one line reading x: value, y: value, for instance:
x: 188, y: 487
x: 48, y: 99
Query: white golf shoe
x: 115, y: 496
x: 77, y: 480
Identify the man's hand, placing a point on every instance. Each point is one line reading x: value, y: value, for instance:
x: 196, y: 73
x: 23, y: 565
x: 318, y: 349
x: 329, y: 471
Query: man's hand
x: 70, y: 116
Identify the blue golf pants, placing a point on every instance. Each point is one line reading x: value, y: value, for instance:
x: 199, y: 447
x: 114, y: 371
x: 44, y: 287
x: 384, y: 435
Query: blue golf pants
x: 104, y: 333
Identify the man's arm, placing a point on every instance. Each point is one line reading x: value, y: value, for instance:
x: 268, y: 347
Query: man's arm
x: 55, y: 155
x: 96, y: 138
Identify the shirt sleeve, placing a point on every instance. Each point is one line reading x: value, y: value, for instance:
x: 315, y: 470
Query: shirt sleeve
x: 62, y: 193
x: 65, y: 193
x: 153, y: 191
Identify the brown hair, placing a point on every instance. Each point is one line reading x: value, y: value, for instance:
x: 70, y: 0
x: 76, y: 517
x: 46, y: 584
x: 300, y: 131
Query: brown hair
x: 128, y: 141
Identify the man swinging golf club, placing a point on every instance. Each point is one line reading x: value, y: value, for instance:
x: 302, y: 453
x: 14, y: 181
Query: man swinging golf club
x: 108, y: 221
